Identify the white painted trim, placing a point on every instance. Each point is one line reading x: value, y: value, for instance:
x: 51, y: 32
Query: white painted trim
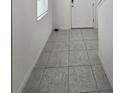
x: 65, y: 29
x: 41, y: 16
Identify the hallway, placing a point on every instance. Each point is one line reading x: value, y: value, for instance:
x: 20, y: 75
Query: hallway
x: 69, y: 63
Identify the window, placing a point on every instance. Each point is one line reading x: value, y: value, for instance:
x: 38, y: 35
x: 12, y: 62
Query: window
x: 42, y: 8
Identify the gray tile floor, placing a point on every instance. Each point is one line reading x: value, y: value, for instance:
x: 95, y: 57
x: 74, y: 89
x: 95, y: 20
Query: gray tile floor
x: 69, y: 63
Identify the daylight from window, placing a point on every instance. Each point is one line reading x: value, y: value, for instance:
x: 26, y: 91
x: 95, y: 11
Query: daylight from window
x: 42, y: 8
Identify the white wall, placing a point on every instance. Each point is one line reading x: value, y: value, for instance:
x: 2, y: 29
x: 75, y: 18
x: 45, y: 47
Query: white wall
x: 62, y: 14
x: 95, y: 15
x: 105, y: 24
x: 29, y: 38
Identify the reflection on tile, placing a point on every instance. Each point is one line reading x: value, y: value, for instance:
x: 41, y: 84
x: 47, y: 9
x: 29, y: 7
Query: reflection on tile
x: 81, y: 80
x: 101, y: 79
x: 58, y: 58
x: 92, y: 44
x: 54, y: 81
x: 34, y: 81
x: 77, y: 45
x: 94, y: 58
x: 78, y: 58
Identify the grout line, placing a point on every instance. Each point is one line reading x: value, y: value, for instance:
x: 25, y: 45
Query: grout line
x: 68, y: 58
x: 66, y: 66
x: 90, y: 64
x: 45, y: 68
x: 84, y: 41
x: 88, y: 91
x: 70, y: 50
x: 44, y: 72
x: 107, y: 79
x: 95, y: 79
x: 93, y: 74
x: 90, y: 39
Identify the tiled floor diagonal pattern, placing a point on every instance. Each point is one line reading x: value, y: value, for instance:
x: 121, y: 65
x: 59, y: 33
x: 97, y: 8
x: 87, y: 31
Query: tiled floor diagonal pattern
x: 69, y: 63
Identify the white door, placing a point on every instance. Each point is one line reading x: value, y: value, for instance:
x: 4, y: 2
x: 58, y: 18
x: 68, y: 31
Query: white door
x: 82, y: 13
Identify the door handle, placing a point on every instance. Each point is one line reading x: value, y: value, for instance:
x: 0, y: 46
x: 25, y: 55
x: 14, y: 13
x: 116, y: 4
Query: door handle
x: 72, y: 1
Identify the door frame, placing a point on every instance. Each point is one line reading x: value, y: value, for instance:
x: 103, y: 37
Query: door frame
x: 82, y: 27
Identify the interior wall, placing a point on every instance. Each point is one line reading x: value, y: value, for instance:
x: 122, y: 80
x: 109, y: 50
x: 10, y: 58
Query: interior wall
x: 105, y: 26
x: 62, y: 14
x: 95, y: 24
x: 28, y: 37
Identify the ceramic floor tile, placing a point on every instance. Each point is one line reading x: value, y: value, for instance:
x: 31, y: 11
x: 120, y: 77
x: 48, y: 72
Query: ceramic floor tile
x: 75, y: 31
x: 77, y: 45
x: 75, y: 37
x: 54, y: 81
x: 52, y: 37
x: 94, y: 58
x: 49, y: 47
x: 106, y: 92
x: 60, y: 46
x: 62, y: 32
x: 34, y: 81
x: 81, y: 80
x: 89, y: 31
x: 62, y: 38
x: 97, y: 68
x: 57, y: 54
x: 92, y: 44
x: 87, y: 92
x: 78, y: 58
x: 43, y: 60
x: 82, y: 30
x: 58, y: 59
x: 101, y: 79
x: 90, y: 35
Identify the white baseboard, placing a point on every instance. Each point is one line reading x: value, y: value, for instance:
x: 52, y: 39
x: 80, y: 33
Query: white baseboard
x: 106, y: 72
x: 84, y: 28
x: 28, y: 75
x: 25, y: 80
x: 30, y: 71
